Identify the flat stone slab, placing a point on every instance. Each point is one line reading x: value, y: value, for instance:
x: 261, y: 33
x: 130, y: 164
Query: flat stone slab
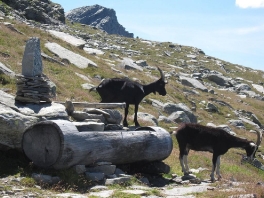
x: 86, y: 78
x: 105, y: 193
x: 117, y: 180
x: 259, y: 88
x: 128, y: 64
x: 6, y: 70
x: 51, y: 110
x: 135, y: 192
x: 186, y: 190
x: 75, y: 59
x: 68, y: 38
x: 106, y: 169
x: 193, y: 83
x: 93, y: 51
x: 72, y: 195
x: 89, y: 126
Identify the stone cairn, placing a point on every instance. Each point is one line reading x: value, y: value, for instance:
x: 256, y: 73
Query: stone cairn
x: 32, y: 85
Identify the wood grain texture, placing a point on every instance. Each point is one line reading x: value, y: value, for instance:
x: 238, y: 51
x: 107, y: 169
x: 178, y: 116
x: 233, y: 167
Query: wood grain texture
x: 59, y: 144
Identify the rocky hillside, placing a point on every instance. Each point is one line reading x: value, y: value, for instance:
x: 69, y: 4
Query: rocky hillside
x: 42, y: 11
x: 201, y: 89
x: 99, y: 17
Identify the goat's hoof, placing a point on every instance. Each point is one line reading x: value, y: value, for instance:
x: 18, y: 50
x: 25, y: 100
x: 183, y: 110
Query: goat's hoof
x: 137, y: 124
x: 213, y: 180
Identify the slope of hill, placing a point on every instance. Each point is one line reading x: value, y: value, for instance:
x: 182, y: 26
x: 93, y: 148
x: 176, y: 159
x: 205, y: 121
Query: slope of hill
x: 207, y: 88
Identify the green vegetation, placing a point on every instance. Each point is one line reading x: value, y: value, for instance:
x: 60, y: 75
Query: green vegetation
x: 69, y: 86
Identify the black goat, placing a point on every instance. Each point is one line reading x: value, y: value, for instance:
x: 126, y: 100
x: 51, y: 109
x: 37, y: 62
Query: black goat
x: 217, y: 141
x: 125, y: 90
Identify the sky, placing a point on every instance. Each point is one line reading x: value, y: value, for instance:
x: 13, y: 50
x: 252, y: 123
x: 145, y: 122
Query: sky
x: 231, y: 30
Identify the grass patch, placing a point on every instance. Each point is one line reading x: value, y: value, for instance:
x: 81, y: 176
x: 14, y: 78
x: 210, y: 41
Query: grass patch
x: 69, y: 87
x: 118, y: 194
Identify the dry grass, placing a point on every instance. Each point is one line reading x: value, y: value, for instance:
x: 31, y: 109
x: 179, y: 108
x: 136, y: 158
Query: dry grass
x: 69, y: 87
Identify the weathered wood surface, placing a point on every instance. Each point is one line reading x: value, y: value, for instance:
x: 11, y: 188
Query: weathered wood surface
x: 58, y: 144
x: 96, y: 105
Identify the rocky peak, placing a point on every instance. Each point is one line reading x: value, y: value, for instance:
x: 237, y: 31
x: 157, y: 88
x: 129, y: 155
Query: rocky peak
x: 100, y: 17
x: 43, y: 11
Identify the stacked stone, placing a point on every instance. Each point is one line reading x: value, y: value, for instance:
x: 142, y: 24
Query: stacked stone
x: 32, y: 85
x: 34, y: 89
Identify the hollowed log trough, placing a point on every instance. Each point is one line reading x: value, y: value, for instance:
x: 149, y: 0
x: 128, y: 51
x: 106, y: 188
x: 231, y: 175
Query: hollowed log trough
x: 58, y: 144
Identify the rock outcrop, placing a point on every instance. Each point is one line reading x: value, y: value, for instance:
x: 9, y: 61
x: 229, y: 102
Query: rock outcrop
x: 99, y: 17
x: 43, y: 11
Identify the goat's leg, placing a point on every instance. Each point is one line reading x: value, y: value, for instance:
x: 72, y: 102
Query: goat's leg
x: 183, y: 160
x: 135, y: 117
x: 214, y: 161
x: 125, y: 117
x: 217, y: 171
x: 182, y: 164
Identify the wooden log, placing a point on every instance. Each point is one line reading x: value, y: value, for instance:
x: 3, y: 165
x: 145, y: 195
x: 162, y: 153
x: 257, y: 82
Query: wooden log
x: 97, y: 105
x: 58, y: 144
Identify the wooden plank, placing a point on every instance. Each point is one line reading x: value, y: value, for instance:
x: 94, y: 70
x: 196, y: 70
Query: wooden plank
x: 96, y: 105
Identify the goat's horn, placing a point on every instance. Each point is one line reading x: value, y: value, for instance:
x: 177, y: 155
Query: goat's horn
x: 259, y: 137
x: 162, y: 75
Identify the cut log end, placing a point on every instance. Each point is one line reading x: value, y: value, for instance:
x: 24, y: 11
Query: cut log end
x: 43, y: 144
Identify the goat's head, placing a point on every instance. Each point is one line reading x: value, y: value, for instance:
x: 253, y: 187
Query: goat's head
x: 252, y: 148
x: 160, y: 84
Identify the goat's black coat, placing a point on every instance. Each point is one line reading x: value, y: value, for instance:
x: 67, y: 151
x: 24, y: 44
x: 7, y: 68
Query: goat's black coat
x: 203, y: 138
x: 215, y: 140
x: 116, y: 90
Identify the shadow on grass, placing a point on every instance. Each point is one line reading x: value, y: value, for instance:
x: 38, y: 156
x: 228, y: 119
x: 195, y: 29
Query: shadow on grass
x: 13, y: 162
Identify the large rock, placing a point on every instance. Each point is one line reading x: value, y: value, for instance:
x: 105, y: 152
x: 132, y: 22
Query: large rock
x: 15, y: 117
x: 43, y: 11
x: 76, y: 59
x: 128, y: 64
x: 237, y: 123
x: 93, y: 51
x: 156, y: 103
x: 170, y: 108
x: 242, y: 87
x: 115, y: 116
x: 253, y: 124
x: 32, y: 62
x: 259, y: 88
x: 68, y: 38
x: 13, y: 124
x: 179, y: 117
x: 81, y: 116
x: 100, y: 17
x: 193, y: 83
x: 211, y: 107
x: 148, y: 118
x: 219, y: 79
x: 5, y: 70
x: 89, y: 126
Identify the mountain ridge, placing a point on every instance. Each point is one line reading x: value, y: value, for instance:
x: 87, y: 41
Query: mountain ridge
x: 228, y: 100
x: 99, y: 17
